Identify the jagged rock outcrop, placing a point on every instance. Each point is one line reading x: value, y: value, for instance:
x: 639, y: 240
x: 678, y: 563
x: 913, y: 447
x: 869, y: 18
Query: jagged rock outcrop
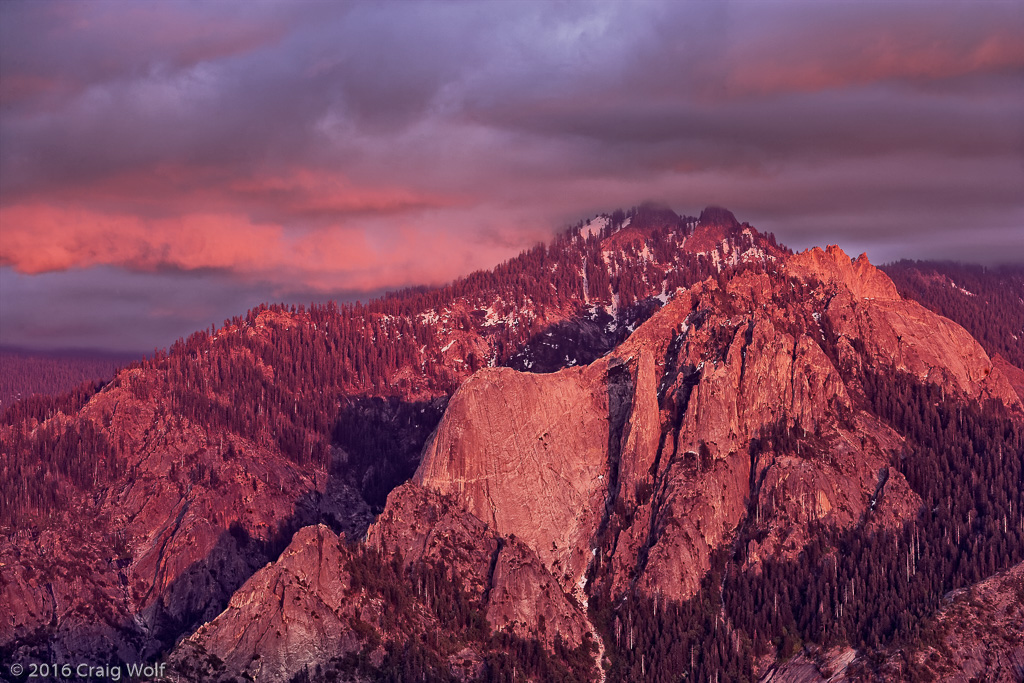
x: 306, y: 609
x: 525, y: 597
x: 422, y: 525
x: 766, y: 378
x: 864, y: 305
x: 832, y: 265
x: 503, y: 573
x: 652, y: 470
x: 296, y: 612
x: 515, y: 454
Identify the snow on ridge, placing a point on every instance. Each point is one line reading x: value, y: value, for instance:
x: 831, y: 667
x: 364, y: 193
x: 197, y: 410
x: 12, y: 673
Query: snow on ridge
x: 961, y: 289
x: 491, y: 318
x: 594, y: 226
x: 664, y: 296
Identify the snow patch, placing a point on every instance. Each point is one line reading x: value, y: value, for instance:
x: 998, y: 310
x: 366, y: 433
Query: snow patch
x: 594, y: 227
x: 961, y: 289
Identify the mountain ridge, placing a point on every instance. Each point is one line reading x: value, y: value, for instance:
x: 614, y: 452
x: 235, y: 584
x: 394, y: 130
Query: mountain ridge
x: 731, y: 415
x: 499, y: 511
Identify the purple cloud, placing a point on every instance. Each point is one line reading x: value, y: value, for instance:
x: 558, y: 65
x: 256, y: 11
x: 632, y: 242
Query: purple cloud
x: 317, y: 149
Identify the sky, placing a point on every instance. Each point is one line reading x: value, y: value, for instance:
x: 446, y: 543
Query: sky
x: 166, y: 165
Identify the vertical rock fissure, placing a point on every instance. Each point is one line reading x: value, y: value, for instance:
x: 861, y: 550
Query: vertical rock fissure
x: 657, y: 502
x: 671, y: 365
x: 739, y: 549
x: 748, y: 337
x: 53, y: 602
x: 620, y: 404
x: 883, y: 477
x: 492, y: 568
x: 691, y: 377
x: 792, y: 380
x: 186, y: 502
x: 621, y: 388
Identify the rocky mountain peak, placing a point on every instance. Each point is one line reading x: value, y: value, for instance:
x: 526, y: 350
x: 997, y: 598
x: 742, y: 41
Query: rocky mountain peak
x: 832, y: 265
x: 718, y: 217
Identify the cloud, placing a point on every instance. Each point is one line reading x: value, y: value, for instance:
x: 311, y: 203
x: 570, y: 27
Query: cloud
x: 43, y: 238
x: 328, y: 149
x: 815, y: 47
x: 111, y: 41
x: 109, y: 308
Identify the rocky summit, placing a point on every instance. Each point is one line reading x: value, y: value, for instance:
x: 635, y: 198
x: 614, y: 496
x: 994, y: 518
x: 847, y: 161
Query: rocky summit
x: 661, y: 445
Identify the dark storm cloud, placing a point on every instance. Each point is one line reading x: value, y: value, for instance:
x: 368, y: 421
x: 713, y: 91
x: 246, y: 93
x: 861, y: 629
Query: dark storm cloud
x: 111, y: 309
x: 310, y: 149
x: 135, y: 315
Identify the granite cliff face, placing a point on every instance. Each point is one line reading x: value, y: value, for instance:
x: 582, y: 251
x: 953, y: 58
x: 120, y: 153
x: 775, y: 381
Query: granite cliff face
x: 630, y: 473
x: 528, y: 455
x: 637, y: 467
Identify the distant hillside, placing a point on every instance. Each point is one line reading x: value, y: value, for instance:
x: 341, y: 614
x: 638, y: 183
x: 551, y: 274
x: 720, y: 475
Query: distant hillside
x: 25, y: 373
x: 988, y: 302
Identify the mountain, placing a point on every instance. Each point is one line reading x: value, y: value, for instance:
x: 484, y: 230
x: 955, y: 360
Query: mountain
x: 658, y: 444
x: 988, y: 302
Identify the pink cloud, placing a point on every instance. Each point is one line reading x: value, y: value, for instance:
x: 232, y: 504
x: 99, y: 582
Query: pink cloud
x: 291, y: 194
x: 810, y: 60
x: 40, y: 238
x: 18, y: 87
x: 304, y: 191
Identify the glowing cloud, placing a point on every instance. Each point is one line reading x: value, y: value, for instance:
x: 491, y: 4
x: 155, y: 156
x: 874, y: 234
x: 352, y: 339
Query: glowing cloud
x: 321, y: 150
